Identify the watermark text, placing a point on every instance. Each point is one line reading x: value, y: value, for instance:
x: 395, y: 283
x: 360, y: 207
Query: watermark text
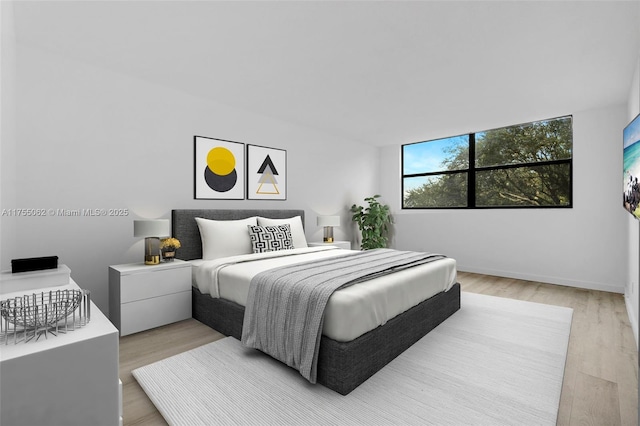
x: 63, y: 212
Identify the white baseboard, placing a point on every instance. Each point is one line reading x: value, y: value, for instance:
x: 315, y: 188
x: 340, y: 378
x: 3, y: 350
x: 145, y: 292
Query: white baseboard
x: 632, y: 318
x: 589, y: 285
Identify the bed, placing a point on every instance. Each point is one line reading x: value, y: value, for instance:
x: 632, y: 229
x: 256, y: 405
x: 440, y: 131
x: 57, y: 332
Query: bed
x: 343, y: 363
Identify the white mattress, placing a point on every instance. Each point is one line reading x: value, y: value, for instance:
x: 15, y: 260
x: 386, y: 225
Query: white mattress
x: 351, y: 311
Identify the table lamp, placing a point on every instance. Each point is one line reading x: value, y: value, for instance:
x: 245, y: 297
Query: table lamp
x: 328, y: 222
x: 152, y: 230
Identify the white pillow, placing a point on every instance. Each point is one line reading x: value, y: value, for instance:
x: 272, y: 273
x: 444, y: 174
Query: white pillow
x: 222, y: 238
x: 297, y: 231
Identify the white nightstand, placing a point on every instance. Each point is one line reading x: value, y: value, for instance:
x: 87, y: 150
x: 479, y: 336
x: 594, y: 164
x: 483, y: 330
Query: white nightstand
x: 341, y: 244
x: 143, y: 296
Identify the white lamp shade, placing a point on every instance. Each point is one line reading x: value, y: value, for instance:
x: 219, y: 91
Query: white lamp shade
x: 328, y: 220
x: 151, y: 228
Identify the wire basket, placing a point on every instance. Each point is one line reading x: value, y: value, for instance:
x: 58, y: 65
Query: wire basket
x: 35, y: 315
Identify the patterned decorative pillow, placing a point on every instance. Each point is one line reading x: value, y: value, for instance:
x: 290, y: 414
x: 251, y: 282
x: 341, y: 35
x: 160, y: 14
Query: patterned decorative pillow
x: 270, y: 238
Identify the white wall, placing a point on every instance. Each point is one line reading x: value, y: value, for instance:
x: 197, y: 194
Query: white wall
x: 582, y: 246
x: 91, y: 138
x: 633, y: 226
x: 7, y: 123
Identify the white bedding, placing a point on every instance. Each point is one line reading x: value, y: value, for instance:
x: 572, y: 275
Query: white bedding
x: 351, y: 311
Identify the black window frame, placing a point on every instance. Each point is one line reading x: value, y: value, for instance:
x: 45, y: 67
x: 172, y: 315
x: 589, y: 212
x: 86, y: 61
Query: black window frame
x: 472, y: 170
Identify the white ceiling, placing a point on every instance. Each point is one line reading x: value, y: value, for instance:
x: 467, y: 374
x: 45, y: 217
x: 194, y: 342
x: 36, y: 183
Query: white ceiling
x: 377, y: 72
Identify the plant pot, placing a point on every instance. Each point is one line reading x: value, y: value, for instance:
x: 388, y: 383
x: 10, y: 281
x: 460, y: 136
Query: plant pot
x: 168, y: 255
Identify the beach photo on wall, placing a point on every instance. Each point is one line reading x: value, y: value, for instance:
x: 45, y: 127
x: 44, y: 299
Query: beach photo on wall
x: 631, y: 168
x: 266, y: 173
x: 218, y: 169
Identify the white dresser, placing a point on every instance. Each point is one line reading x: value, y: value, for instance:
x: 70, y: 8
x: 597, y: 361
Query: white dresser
x: 148, y: 296
x: 68, y: 379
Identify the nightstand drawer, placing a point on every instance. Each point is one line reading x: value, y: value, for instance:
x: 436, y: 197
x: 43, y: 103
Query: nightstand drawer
x: 154, y: 283
x: 154, y: 312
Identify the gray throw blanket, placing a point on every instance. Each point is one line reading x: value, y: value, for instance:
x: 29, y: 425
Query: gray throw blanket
x: 285, y: 307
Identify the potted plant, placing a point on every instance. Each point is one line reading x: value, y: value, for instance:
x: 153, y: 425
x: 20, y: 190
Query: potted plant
x: 169, y: 247
x: 373, y: 222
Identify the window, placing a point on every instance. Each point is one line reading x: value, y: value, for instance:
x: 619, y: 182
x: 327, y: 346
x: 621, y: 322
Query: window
x: 527, y: 165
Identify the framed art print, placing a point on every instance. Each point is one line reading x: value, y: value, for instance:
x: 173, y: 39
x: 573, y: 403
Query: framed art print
x: 266, y: 173
x: 218, y: 169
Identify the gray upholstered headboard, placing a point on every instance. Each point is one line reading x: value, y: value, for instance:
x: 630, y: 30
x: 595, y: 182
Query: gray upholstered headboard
x: 185, y: 228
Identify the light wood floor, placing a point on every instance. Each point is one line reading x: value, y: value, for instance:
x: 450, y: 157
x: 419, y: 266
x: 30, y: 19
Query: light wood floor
x: 600, y: 385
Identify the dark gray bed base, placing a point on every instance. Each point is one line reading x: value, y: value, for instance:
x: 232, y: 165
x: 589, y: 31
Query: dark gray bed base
x: 343, y: 366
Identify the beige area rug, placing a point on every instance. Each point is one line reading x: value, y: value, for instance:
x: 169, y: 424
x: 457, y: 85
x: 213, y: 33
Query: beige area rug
x: 494, y: 362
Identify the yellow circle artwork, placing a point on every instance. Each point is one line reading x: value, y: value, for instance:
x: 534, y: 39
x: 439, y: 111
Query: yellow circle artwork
x: 221, y: 161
